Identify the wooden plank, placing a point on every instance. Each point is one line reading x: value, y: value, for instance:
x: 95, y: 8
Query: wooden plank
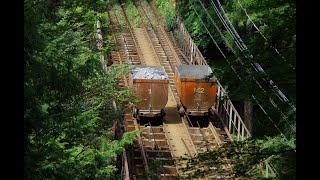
x: 126, y: 166
x: 215, y: 134
x: 230, y: 119
x: 242, y: 133
x: 239, y: 123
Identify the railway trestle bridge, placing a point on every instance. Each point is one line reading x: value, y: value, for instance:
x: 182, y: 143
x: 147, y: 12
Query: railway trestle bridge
x: 177, y: 136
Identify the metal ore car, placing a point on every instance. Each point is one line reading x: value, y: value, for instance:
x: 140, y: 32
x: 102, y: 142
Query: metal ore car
x: 151, y: 84
x: 196, y: 93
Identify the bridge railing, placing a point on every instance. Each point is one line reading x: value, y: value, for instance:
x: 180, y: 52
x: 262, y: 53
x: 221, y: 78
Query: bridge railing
x: 99, y: 44
x: 236, y: 127
x: 188, y: 47
x: 230, y: 115
x: 233, y: 123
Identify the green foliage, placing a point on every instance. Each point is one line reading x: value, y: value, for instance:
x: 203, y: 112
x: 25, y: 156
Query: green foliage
x: 101, y: 5
x: 68, y: 111
x: 167, y: 11
x: 133, y: 14
x: 244, y: 157
x: 194, y: 18
x: 285, y: 162
x: 276, y: 20
x: 273, y: 19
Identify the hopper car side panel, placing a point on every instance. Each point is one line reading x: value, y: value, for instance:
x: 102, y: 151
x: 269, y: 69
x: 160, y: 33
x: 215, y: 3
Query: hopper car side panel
x: 151, y: 85
x: 153, y: 95
x: 142, y: 89
x: 159, y: 95
x: 196, y: 94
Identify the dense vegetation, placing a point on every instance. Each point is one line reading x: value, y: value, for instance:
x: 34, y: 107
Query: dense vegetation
x: 68, y: 112
x: 68, y: 99
x: 167, y: 11
x: 244, y: 157
x: 270, y: 37
x: 276, y: 21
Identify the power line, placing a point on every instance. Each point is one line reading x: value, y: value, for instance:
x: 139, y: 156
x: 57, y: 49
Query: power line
x: 264, y: 37
x: 223, y: 37
x: 208, y: 31
x: 234, y: 32
x: 238, y: 43
x: 236, y: 72
x: 270, y: 99
x: 258, y: 68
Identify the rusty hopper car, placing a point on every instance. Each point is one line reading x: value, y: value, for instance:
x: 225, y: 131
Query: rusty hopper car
x: 196, y: 93
x: 151, y: 85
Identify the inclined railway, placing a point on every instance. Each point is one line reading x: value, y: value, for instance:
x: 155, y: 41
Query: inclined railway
x: 162, y: 142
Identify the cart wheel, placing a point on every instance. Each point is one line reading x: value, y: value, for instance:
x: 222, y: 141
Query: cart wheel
x: 162, y: 113
x: 210, y: 113
x: 134, y: 112
x: 178, y: 106
x: 181, y: 111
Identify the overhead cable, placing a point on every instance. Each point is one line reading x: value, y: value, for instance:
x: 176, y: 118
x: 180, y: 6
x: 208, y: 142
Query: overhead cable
x: 270, y: 99
x: 258, y: 68
x: 235, y: 71
x: 264, y: 37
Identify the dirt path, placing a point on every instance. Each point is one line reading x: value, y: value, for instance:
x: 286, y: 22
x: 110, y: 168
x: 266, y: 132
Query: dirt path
x: 148, y: 54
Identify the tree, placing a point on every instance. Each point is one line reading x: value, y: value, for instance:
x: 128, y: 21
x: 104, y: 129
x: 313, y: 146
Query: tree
x: 243, y: 157
x: 276, y: 22
x: 270, y: 17
x: 68, y: 112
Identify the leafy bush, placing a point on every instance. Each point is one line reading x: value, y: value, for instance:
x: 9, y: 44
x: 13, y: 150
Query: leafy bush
x: 167, y: 11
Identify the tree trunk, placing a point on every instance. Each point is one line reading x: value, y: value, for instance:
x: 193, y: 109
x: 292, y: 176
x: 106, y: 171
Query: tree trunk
x: 247, y: 115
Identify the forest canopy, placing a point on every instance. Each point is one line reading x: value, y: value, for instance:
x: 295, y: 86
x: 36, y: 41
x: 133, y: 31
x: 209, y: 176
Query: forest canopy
x: 68, y: 98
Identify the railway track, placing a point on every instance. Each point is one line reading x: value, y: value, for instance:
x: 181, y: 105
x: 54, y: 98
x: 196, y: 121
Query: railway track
x: 151, y: 145
x: 176, y: 137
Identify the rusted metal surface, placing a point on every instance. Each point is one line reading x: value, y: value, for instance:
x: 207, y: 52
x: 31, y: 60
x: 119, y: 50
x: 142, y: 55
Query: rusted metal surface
x: 196, y: 94
x: 153, y: 93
